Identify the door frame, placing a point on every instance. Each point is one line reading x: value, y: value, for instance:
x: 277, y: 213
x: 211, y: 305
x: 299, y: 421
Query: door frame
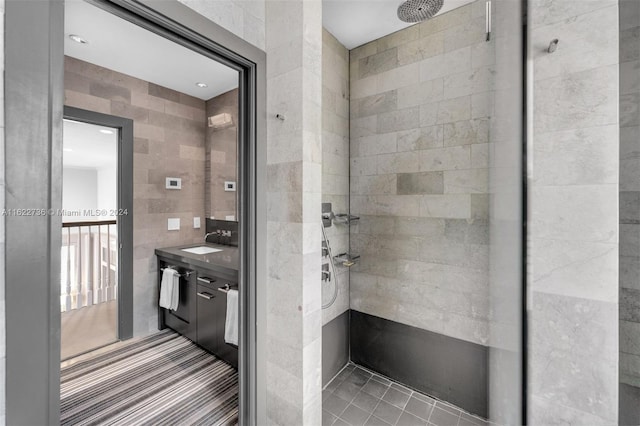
x: 124, y: 222
x: 34, y: 93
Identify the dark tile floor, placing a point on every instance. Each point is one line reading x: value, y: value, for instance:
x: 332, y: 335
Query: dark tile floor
x: 357, y: 397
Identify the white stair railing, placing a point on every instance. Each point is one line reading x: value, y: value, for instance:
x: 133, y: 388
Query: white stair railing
x: 89, y: 264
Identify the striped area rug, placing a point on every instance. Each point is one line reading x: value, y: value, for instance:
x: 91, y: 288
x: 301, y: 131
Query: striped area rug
x: 163, y: 379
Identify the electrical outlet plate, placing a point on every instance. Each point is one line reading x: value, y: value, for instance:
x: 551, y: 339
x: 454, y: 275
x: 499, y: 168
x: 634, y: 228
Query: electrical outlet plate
x: 196, y: 223
x: 230, y: 186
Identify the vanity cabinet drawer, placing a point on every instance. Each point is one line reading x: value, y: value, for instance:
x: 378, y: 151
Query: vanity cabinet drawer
x: 183, y: 319
x: 207, y: 318
x: 211, y: 320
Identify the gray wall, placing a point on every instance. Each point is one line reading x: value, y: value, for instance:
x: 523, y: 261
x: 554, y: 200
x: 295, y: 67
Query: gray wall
x: 573, y: 335
x: 335, y: 346
x: 294, y: 195
x: 167, y: 124
x: 335, y: 162
x: 419, y: 175
x: 221, y: 159
x: 335, y: 190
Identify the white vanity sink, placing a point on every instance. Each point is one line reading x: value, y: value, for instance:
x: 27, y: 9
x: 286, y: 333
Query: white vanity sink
x: 201, y: 250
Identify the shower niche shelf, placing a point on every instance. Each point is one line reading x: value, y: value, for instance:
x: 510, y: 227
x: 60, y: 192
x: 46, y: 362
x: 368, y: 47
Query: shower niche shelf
x: 346, y: 259
x: 346, y: 219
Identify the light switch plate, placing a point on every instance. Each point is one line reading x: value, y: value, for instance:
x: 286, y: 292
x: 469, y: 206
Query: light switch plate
x: 196, y: 223
x: 173, y: 224
x: 230, y: 186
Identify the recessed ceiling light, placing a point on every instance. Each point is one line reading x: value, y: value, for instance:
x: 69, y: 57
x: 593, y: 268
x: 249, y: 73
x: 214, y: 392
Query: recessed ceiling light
x: 106, y: 131
x: 67, y: 149
x: 78, y: 39
x: 202, y: 85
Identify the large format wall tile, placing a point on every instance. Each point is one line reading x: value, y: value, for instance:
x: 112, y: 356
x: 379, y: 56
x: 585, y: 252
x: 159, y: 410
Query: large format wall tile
x: 581, y: 349
x: 419, y: 181
x: 576, y: 213
x: 335, y: 164
x: 573, y: 232
x: 553, y: 11
x: 294, y: 194
x: 580, y: 48
x: 583, y: 99
x: 577, y: 157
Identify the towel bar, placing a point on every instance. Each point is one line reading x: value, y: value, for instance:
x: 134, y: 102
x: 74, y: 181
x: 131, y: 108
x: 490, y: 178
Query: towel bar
x: 186, y: 274
x: 226, y: 288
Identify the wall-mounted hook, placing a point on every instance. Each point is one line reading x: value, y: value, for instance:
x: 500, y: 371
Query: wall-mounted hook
x: 553, y: 45
x: 280, y: 117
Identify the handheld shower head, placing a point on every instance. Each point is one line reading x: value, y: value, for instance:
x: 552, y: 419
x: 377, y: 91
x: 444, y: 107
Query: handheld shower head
x: 418, y: 10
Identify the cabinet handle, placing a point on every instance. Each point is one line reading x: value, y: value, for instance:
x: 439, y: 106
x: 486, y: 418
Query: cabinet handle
x: 206, y: 295
x: 206, y: 280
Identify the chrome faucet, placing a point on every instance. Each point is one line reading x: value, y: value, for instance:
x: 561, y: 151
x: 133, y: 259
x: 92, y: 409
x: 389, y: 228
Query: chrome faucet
x: 223, y: 236
x: 208, y: 234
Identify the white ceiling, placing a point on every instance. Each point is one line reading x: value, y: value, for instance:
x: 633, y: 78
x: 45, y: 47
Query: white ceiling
x: 124, y: 47
x: 84, y: 146
x: 356, y: 22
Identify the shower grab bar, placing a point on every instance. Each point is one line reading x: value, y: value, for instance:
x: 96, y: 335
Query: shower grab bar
x: 186, y: 274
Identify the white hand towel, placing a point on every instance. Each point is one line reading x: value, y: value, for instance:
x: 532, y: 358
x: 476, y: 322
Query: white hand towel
x: 166, y: 287
x: 175, y: 295
x: 231, y: 323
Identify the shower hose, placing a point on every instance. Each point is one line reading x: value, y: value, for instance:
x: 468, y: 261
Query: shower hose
x: 333, y: 270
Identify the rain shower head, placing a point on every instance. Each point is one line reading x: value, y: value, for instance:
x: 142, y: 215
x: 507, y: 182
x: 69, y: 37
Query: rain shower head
x: 418, y: 10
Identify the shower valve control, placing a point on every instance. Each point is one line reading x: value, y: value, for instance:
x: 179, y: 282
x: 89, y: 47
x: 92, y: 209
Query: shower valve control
x: 326, y: 274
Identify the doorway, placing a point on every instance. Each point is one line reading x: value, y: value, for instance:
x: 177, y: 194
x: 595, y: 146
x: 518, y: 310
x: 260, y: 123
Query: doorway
x: 96, y: 266
x: 34, y: 310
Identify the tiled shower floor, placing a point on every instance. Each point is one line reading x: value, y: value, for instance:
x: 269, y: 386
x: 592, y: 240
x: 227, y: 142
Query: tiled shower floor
x: 357, y: 397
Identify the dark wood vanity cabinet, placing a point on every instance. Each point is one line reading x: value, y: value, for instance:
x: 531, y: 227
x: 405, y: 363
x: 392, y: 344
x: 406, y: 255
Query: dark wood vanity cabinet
x: 183, y: 319
x: 202, y: 310
x: 212, y: 314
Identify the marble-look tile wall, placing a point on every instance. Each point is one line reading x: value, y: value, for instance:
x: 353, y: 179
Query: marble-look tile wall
x: 335, y: 162
x: 244, y: 18
x: 169, y: 134
x: 221, y: 158
x: 419, y: 175
x: 630, y: 192
x: 573, y: 240
x: 294, y: 195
